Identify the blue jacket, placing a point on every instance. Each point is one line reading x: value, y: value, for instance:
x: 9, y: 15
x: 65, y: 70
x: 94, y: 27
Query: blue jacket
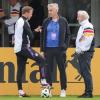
x: 64, y: 37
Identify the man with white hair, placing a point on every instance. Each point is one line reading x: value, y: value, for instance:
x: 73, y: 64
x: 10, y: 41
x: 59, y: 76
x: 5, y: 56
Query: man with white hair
x: 54, y: 43
x: 85, y: 49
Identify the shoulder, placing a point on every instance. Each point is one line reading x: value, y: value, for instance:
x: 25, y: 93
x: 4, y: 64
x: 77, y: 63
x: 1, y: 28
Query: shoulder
x: 20, y: 21
x: 46, y: 19
x: 63, y: 19
x: 88, y: 25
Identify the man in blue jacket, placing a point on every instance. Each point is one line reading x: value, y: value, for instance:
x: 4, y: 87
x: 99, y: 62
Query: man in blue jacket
x: 54, y: 43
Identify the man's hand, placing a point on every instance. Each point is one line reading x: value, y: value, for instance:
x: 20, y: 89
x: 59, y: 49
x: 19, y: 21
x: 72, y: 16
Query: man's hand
x: 42, y: 54
x: 38, y: 29
x: 13, y: 40
x: 79, y: 51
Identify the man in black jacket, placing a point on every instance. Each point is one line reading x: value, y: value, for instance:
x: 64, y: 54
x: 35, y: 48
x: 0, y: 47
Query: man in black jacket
x: 23, y: 35
x: 54, y: 43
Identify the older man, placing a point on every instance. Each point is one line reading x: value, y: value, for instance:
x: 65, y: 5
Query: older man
x: 54, y: 44
x: 85, y: 49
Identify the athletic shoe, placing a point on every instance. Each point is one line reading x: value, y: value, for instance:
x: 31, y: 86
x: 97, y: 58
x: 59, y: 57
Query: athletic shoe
x: 86, y: 95
x: 63, y: 93
x: 22, y: 94
x: 44, y: 82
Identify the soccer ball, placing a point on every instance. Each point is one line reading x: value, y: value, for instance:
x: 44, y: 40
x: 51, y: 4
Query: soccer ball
x: 45, y: 93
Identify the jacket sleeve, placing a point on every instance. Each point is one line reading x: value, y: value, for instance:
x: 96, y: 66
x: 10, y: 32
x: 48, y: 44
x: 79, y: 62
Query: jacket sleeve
x: 42, y: 40
x: 18, y: 32
x: 86, y: 39
x: 11, y: 21
x: 29, y: 31
x: 42, y: 36
x: 67, y: 35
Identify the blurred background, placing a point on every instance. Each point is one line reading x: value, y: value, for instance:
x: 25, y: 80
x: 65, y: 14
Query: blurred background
x: 10, y: 11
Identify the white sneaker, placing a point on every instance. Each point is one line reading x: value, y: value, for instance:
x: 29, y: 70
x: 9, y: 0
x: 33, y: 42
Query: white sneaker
x: 22, y: 94
x: 63, y: 93
x: 44, y: 82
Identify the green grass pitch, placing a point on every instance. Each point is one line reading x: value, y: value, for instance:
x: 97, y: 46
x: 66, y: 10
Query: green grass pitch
x: 52, y: 98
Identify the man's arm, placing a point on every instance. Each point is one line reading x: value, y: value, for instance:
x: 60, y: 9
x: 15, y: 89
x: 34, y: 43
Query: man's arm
x: 18, y: 32
x: 11, y: 21
x: 67, y: 35
x: 42, y: 35
x: 29, y: 31
x: 86, y: 39
x: 42, y: 39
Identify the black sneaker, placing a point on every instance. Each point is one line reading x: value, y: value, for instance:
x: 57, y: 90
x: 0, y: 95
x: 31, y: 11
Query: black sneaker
x: 86, y: 95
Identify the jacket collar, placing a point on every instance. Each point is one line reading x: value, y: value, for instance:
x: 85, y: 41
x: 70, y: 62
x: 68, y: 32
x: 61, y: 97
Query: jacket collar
x: 50, y: 18
x: 24, y: 18
x: 84, y: 22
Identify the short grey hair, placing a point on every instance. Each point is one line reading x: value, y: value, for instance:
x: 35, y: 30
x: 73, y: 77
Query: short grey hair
x: 83, y: 13
x: 54, y: 5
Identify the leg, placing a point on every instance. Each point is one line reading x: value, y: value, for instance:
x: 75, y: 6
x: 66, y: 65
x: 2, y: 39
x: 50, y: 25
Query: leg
x: 30, y: 53
x: 42, y: 72
x: 65, y: 59
x: 61, y: 66
x: 49, y: 60
x: 84, y: 61
x: 21, y: 61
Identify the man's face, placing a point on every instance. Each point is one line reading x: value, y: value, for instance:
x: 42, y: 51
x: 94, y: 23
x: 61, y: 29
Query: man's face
x: 29, y: 14
x: 80, y: 18
x: 52, y: 11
